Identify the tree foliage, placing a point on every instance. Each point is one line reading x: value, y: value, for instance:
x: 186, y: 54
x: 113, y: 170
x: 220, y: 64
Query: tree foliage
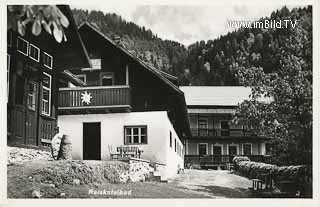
x: 288, y: 118
x: 142, y: 42
x: 48, y: 17
x: 245, y: 47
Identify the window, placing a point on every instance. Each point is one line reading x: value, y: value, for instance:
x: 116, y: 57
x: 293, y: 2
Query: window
x: 170, y: 139
x: 96, y: 64
x: 233, y: 149
x: 135, y: 135
x: 31, y: 99
x: 217, y: 149
x: 47, y: 60
x: 82, y: 77
x: 203, y: 127
x: 22, y: 46
x: 46, y: 94
x: 34, y: 53
x: 203, y: 123
x: 247, y: 149
x: 106, y: 79
x: 202, y: 149
x: 225, y: 128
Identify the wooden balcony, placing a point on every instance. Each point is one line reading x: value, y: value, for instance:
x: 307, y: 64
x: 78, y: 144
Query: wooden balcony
x: 96, y: 99
x: 215, y: 160
x: 197, y: 132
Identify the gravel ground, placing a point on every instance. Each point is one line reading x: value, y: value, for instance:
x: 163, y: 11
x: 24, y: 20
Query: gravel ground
x: 214, y: 183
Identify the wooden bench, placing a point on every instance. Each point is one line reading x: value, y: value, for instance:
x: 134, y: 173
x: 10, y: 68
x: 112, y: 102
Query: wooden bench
x: 126, y: 151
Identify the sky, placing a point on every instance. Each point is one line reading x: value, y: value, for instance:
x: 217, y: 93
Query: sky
x: 186, y: 24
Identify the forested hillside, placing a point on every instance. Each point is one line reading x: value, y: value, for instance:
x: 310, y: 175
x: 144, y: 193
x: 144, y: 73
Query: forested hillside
x: 163, y: 54
x: 213, y: 62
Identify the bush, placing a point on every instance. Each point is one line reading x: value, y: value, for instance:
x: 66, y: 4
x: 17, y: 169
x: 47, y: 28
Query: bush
x: 238, y: 159
x: 256, y: 169
x: 300, y: 175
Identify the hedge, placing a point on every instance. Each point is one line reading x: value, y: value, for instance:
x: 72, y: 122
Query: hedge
x: 256, y: 170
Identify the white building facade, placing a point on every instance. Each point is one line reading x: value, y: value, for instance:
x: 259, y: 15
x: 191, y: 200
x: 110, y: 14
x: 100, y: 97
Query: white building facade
x: 152, y: 132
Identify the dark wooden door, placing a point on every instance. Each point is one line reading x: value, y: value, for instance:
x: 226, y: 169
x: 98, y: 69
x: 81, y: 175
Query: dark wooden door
x: 232, y: 150
x: 92, y: 141
x: 18, y: 114
x: 32, y: 112
x: 18, y: 124
x: 217, y: 150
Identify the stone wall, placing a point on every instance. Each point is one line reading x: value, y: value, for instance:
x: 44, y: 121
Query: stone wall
x: 17, y: 155
x: 141, y: 170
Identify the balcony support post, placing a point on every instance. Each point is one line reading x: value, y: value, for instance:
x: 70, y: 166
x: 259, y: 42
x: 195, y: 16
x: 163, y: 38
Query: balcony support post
x: 127, y: 75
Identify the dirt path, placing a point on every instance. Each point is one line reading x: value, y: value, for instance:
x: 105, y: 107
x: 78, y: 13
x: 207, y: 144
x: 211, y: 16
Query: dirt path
x: 214, y: 183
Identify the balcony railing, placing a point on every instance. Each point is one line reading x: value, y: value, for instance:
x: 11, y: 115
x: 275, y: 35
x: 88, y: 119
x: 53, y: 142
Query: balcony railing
x: 207, y: 160
x: 97, y: 97
x: 196, y: 132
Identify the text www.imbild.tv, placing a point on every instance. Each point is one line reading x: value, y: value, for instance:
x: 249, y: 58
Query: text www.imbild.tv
x: 265, y: 24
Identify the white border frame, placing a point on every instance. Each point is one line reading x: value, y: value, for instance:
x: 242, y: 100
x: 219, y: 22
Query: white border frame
x: 20, y: 38
x: 47, y: 66
x: 32, y: 45
x: 50, y: 78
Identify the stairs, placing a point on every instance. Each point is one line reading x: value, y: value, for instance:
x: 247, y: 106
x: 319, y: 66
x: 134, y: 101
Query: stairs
x: 156, y: 176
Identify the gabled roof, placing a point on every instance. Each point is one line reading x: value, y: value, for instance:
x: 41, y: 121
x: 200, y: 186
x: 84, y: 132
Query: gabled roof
x: 158, y: 73
x: 74, y: 45
x: 166, y: 79
x: 170, y: 77
x: 217, y: 95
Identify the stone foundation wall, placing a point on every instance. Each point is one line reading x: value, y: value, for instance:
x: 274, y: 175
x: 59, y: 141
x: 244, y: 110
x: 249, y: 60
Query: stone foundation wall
x: 17, y: 155
x: 141, y: 170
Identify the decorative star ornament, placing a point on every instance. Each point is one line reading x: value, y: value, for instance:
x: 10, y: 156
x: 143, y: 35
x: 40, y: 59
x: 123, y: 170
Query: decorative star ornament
x: 86, y: 97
